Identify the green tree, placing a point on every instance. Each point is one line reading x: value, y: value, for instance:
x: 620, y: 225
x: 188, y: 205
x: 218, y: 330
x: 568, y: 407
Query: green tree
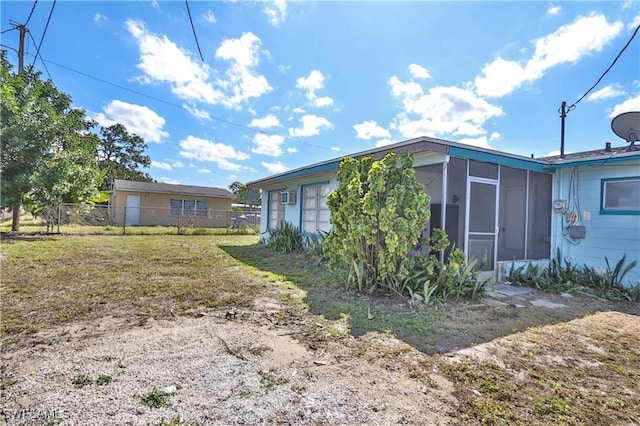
x: 47, y: 149
x: 245, y: 195
x: 378, y: 212
x: 121, y: 155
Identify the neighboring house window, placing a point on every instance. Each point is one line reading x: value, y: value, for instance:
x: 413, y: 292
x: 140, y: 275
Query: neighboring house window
x: 620, y: 196
x: 189, y: 207
x: 276, y: 209
x: 202, y: 207
x: 315, y: 213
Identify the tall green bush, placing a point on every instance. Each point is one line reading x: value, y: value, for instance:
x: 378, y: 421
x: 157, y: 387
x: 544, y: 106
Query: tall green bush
x: 378, y: 212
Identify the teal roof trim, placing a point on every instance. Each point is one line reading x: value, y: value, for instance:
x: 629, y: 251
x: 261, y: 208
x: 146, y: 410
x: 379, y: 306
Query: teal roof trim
x: 594, y: 162
x: 504, y: 160
x: 327, y: 167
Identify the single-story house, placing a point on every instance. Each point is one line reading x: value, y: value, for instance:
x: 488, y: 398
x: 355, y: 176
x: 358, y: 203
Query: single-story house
x: 596, y: 210
x: 151, y: 203
x: 493, y: 205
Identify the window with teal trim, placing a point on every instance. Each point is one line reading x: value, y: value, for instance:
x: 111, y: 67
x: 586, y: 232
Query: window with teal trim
x: 315, y: 213
x: 620, y: 196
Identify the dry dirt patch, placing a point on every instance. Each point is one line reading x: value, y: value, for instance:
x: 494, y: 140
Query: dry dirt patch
x: 585, y: 371
x: 245, y: 370
x: 252, y: 368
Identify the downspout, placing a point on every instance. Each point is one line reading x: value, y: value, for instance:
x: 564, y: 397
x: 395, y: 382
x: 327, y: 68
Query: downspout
x: 443, y: 210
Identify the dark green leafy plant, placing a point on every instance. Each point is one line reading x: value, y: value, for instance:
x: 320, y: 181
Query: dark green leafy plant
x: 563, y: 276
x: 285, y: 238
x: 156, y: 398
x: 81, y: 380
x: 378, y: 212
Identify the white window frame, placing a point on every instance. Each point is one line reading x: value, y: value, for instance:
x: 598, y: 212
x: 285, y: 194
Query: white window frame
x: 320, y: 192
x: 188, y: 207
x: 273, y: 222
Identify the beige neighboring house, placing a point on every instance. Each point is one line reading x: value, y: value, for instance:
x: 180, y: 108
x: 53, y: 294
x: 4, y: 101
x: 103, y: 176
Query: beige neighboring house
x: 151, y: 204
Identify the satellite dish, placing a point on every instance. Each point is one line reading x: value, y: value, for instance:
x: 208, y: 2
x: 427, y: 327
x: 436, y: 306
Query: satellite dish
x: 627, y: 126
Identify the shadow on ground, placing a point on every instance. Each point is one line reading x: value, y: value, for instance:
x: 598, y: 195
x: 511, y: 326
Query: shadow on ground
x: 454, y: 326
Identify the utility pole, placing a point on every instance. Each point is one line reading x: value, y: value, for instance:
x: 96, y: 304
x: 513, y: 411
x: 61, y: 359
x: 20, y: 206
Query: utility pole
x: 23, y: 31
x: 15, y: 209
x: 563, y: 115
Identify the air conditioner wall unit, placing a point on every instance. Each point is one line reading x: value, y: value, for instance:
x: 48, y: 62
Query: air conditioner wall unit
x: 289, y: 197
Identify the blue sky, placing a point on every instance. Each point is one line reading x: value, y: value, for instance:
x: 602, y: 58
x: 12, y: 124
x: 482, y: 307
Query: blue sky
x: 285, y: 84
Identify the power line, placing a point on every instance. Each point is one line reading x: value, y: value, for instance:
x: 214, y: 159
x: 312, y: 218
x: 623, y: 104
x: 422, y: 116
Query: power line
x: 9, y: 47
x: 242, y: 126
x: 41, y: 59
x: 194, y: 30
x: 8, y: 29
x: 31, y: 13
x: 573, y: 106
x: 44, y: 32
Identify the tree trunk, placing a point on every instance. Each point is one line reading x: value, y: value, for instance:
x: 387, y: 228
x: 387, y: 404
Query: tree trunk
x: 15, y: 224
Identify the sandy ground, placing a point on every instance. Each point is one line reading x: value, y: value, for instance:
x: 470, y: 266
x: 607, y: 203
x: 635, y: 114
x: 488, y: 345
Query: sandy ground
x: 244, y: 370
x: 271, y: 364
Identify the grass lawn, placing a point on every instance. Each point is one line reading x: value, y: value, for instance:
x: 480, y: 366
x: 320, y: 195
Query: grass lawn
x: 567, y: 373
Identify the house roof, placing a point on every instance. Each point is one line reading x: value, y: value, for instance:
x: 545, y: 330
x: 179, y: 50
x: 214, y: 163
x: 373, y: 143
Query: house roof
x: 168, y: 188
x: 456, y: 149
x: 594, y: 157
x: 415, y: 145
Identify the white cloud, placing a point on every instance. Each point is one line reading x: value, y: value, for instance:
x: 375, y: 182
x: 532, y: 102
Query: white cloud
x: 99, y: 18
x: 274, y: 167
x: 553, y: 10
x: 634, y: 24
x: 177, y: 164
x: 169, y: 180
x: 299, y: 110
x: 607, y: 92
x: 418, y: 71
x: 311, y: 126
x: 267, y: 144
x: 276, y: 12
x: 219, y: 153
x: 370, y: 129
x: 284, y: 68
x: 155, y: 4
x: 197, y: 112
x: 631, y: 104
x: 500, y: 78
x: 480, y: 141
x: 204, y: 171
x: 495, y: 136
x: 292, y: 150
x: 266, y: 122
x: 568, y: 44
x: 384, y: 142
x: 441, y: 111
x: 162, y: 61
x: 161, y: 165
x: 334, y: 148
x: 138, y: 119
x: 404, y: 90
x: 243, y: 54
x: 311, y: 84
x: 210, y: 17
x: 323, y: 101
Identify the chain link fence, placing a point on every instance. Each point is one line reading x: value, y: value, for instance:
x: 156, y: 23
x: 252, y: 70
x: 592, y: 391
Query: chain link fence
x: 110, y: 217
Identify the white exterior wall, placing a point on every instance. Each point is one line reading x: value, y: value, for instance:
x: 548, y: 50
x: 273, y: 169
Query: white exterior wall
x: 293, y: 213
x: 610, y: 235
